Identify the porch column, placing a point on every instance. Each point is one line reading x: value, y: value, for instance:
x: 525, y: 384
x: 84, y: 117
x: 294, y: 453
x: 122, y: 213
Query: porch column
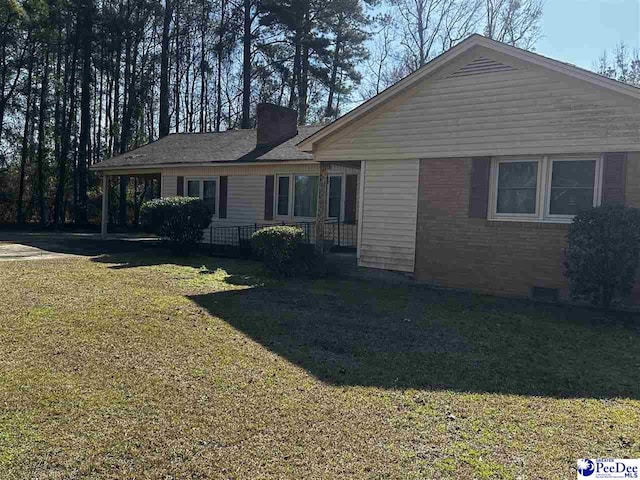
x: 105, y: 205
x: 322, y: 207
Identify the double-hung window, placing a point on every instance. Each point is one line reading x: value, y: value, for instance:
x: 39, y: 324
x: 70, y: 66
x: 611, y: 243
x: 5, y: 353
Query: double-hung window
x: 517, y: 187
x: 546, y: 188
x: 204, y: 188
x: 305, y: 197
x: 297, y: 196
x: 572, y: 186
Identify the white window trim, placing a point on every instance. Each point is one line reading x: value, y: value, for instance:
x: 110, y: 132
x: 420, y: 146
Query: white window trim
x: 493, y: 190
x: 292, y: 194
x: 543, y: 190
x: 201, y: 189
x: 597, y: 184
x: 292, y: 190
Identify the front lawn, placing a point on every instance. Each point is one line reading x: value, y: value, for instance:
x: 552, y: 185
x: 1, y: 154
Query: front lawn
x: 148, y: 367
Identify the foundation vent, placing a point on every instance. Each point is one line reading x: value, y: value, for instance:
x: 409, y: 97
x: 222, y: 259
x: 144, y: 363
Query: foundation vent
x: 543, y: 294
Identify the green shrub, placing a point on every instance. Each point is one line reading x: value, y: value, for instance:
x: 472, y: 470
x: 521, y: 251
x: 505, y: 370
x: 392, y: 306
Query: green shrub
x: 284, y: 250
x: 602, y: 256
x: 179, y: 220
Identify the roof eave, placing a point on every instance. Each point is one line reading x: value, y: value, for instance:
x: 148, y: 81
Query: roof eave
x: 160, y: 166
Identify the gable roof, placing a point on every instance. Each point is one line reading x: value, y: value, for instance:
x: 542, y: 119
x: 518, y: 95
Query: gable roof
x: 190, y: 149
x: 450, y: 55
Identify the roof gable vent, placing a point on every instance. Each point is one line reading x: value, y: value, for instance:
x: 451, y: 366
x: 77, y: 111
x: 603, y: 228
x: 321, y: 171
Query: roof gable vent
x: 482, y: 65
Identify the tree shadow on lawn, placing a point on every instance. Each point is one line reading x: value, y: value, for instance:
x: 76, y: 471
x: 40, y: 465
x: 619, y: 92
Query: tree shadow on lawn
x: 363, y: 334
x: 82, y: 244
x: 360, y: 333
x: 240, y: 272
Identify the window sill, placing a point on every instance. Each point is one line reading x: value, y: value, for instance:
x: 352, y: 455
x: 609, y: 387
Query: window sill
x: 531, y: 222
x: 562, y: 220
x: 294, y: 219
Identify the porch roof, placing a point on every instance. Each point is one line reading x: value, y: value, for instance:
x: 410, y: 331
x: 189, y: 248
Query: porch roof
x: 189, y: 149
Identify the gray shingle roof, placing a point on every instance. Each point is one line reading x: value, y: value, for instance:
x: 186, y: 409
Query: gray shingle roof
x: 197, y: 148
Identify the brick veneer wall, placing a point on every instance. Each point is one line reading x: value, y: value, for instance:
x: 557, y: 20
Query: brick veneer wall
x: 453, y: 250
x: 632, y: 199
x: 504, y: 258
x: 632, y: 180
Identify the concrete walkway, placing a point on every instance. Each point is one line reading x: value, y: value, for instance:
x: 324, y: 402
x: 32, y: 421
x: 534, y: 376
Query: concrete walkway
x: 48, y: 245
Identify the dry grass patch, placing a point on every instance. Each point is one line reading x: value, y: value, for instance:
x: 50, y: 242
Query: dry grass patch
x: 147, y: 367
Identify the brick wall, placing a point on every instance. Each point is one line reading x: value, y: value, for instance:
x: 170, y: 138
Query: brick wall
x: 504, y: 258
x: 632, y: 180
x: 453, y: 250
x: 632, y: 199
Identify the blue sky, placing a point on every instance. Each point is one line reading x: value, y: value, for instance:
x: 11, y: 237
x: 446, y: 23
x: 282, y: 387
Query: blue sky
x: 577, y: 31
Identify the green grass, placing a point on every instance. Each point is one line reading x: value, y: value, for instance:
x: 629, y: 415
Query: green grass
x: 151, y: 367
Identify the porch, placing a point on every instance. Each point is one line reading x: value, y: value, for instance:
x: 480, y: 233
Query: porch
x: 329, y: 191
x: 132, y: 188
x: 337, y: 236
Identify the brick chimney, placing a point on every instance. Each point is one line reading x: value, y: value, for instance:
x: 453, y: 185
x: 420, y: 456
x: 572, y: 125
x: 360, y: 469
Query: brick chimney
x: 275, y: 124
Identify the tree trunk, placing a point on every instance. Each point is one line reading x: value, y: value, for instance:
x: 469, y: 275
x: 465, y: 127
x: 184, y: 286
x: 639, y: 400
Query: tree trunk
x: 296, y: 71
x: 164, y: 71
x: 97, y: 144
x: 86, y: 25
x: 3, y: 78
x: 28, y: 210
x: 246, y: 66
x: 125, y: 133
x: 177, y: 86
x: 303, y: 87
x: 421, y: 32
x: 66, y: 136
x: 223, y: 7
x: 57, y: 112
x: 129, y: 108
x: 203, y: 68
x: 41, y: 139
x: 334, y: 73
x: 25, y: 146
x: 115, y: 133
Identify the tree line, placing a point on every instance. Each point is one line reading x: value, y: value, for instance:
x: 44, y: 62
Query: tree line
x: 84, y: 80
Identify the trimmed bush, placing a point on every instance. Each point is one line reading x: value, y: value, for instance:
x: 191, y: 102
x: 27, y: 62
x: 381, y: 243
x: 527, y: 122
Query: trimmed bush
x: 283, y: 250
x: 178, y: 220
x: 603, y: 252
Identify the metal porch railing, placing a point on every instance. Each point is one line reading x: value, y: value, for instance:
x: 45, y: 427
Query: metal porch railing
x: 236, y: 240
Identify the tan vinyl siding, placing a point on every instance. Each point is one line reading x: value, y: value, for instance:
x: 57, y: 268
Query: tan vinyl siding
x: 523, y: 111
x: 389, y: 212
x: 245, y: 206
x: 245, y: 201
x: 169, y: 185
